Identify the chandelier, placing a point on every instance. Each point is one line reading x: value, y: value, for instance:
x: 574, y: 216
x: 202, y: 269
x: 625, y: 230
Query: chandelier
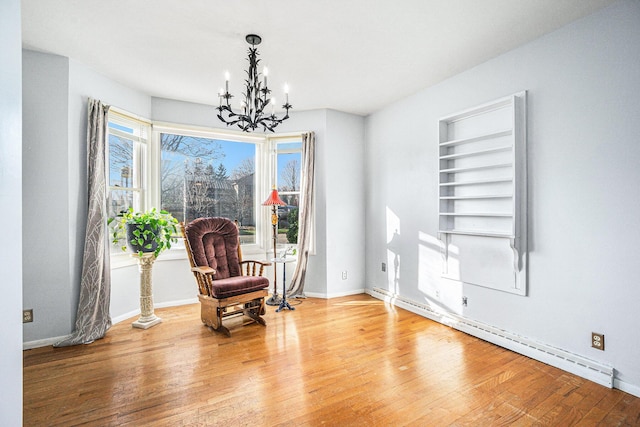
x: 257, y: 98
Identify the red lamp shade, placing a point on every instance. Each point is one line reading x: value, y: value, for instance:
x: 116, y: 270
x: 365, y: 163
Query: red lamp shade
x: 273, y: 199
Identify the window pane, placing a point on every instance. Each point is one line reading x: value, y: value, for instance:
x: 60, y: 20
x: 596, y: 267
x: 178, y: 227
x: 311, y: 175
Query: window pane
x: 289, y: 161
x: 121, y: 200
x: 290, y: 146
x: 204, y: 177
x: 288, y: 172
x: 288, y: 220
x: 120, y: 161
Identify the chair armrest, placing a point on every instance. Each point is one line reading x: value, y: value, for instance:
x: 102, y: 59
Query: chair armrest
x: 204, y: 277
x: 262, y: 263
x: 253, y: 268
x: 203, y: 270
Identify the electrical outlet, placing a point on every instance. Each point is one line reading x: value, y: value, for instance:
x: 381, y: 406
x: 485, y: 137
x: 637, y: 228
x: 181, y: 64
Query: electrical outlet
x: 438, y: 294
x: 597, y: 341
x: 384, y: 267
x: 464, y: 301
x: 344, y: 275
x: 27, y: 316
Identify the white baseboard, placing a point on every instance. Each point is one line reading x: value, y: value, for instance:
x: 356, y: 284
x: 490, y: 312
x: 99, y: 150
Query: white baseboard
x: 114, y: 320
x: 125, y: 316
x: 570, y: 362
x: 136, y: 312
x: 626, y: 387
x: 176, y: 302
x: 335, y: 294
x: 43, y: 342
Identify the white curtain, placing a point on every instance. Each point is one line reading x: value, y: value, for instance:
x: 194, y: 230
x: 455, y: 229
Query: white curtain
x: 93, y: 319
x: 296, y: 288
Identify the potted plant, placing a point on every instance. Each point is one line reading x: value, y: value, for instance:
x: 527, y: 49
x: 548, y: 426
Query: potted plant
x: 150, y: 231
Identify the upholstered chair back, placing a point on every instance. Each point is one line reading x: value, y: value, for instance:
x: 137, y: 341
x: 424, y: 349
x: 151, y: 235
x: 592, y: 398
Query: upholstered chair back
x: 214, y: 243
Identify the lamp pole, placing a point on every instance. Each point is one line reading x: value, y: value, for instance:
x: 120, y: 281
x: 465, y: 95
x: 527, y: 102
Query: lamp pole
x: 274, y: 201
x: 275, y: 299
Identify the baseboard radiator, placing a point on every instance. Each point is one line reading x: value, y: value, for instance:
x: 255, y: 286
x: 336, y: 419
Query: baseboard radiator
x: 573, y: 363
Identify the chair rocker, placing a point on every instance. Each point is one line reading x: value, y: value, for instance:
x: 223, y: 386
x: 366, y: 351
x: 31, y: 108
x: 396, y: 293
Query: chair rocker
x: 228, y: 286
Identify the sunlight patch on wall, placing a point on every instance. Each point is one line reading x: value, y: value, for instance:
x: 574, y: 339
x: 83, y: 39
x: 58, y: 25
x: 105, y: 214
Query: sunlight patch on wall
x: 429, y: 263
x: 393, y: 251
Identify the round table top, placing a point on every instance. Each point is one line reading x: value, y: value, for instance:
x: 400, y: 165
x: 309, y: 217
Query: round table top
x: 283, y: 259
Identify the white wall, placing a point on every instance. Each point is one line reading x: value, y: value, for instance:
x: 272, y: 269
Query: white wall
x: 339, y: 147
x: 55, y: 93
x: 46, y: 261
x: 344, y: 215
x: 84, y: 83
x: 11, y: 213
x: 583, y: 155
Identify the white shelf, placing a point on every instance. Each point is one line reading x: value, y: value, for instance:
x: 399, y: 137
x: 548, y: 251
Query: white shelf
x: 488, y: 214
x: 475, y: 182
x: 484, y: 233
x: 491, y: 135
x: 477, y: 197
x: 482, y: 194
x: 477, y: 153
x: 476, y: 168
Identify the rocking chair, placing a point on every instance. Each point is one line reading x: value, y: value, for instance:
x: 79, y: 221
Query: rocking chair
x: 228, y: 285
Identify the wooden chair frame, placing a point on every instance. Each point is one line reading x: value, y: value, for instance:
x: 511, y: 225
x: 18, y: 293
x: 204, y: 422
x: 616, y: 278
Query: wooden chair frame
x: 214, y: 310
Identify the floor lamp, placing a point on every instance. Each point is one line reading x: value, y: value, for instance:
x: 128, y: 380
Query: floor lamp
x: 274, y: 200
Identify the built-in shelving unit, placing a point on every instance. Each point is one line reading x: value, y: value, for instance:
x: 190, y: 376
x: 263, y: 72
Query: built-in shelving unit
x: 482, y: 176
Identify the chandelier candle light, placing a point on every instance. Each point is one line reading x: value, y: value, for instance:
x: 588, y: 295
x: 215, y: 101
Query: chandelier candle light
x: 274, y: 200
x: 256, y: 97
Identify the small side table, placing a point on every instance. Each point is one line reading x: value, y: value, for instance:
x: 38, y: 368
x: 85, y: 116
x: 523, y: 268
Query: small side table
x: 147, y: 318
x: 284, y: 303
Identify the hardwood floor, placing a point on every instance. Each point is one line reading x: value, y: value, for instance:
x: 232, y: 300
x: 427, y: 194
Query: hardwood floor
x: 339, y: 362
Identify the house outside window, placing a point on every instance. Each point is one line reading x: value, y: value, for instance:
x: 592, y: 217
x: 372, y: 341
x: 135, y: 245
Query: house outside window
x: 199, y: 172
x: 204, y: 177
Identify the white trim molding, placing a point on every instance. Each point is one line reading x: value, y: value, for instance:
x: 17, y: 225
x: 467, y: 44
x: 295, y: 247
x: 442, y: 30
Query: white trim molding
x: 335, y: 294
x: 29, y: 345
x: 626, y: 387
x: 589, y: 369
x: 50, y: 341
x: 136, y: 312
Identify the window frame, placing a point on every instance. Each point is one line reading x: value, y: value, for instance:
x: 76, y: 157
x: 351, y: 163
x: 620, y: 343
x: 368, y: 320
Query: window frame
x: 286, y: 138
x: 140, y: 163
x: 274, y: 142
x: 261, y: 172
x: 150, y: 168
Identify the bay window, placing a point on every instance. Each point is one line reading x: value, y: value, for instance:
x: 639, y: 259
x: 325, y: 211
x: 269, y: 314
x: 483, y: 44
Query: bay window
x: 197, y: 172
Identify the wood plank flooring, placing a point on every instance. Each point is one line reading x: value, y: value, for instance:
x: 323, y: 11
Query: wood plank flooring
x: 352, y: 361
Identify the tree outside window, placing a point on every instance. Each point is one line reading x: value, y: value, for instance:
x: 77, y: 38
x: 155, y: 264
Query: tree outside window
x: 203, y: 177
x: 288, y: 178
x: 127, y: 144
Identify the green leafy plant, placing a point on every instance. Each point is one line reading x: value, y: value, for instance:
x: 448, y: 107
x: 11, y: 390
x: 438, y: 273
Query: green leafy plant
x: 150, y: 231
x: 292, y: 233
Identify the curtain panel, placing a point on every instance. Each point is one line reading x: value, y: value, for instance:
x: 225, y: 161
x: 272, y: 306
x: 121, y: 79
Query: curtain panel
x: 296, y: 288
x: 93, y: 318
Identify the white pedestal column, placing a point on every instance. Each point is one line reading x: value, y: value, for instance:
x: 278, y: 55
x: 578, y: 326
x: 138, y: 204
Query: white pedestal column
x: 147, y: 317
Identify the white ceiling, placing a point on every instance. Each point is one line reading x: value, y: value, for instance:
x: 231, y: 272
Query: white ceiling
x: 350, y: 55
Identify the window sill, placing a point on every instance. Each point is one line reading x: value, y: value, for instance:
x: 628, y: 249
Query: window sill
x: 177, y: 252
x: 125, y: 259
